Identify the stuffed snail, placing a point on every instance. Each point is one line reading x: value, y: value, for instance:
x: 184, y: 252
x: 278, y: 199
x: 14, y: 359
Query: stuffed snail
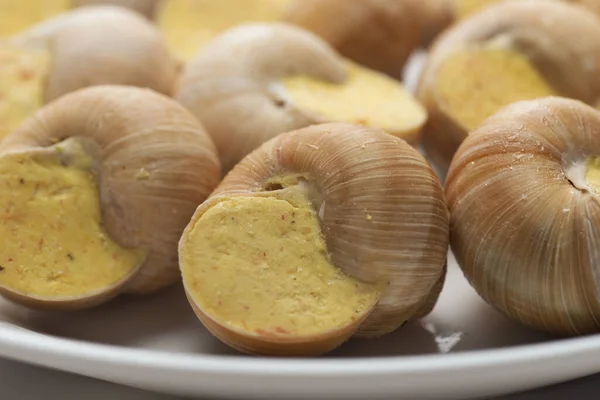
x: 18, y: 15
x: 524, y: 195
x: 85, y: 47
x: 345, y: 233
x: 514, y: 50
x: 258, y: 80
x: 380, y: 34
x: 97, y: 187
x: 438, y: 15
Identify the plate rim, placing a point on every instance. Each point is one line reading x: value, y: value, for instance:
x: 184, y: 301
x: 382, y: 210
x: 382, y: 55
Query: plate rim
x: 25, y: 341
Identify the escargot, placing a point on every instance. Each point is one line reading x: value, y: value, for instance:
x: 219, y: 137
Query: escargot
x: 524, y: 196
x: 438, y: 15
x: 380, y: 34
x: 96, y: 189
x: 80, y: 48
x: 258, y: 80
x: 322, y: 233
x: 189, y: 24
x: 511, y: 53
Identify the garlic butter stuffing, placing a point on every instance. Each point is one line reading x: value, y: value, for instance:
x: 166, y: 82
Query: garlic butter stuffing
x: 323, y: 233
x: 97, y: 187
x: 73, y: 50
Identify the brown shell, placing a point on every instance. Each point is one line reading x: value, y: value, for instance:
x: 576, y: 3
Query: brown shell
x: 434, y: 16
x: 135, y: 130
x: 228, y: 85
x: 99, y: 45
x: 523, y: 229
x: 380, y: 34
x: 559, y: 39
x: 382, y: 211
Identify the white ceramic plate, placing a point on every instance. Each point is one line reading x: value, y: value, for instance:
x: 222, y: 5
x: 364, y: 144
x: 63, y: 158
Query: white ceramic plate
x: 463, y: 349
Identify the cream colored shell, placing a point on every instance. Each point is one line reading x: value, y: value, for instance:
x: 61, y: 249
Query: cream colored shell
x: 134, y: 130
x: 144, y: 7
x: 102, y: 45
x: 232, y: 85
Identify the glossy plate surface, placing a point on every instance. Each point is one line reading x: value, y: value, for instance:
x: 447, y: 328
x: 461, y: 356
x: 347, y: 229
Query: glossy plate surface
x: 463, y: 349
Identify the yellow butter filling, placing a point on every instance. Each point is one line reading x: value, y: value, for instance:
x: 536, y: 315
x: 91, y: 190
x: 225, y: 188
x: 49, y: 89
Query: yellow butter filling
x: 474, y: 84
x: 464, y: 8
x: 18, y: 15
x: 592, y: 173
x: 260, y: 265
x: 23, y: 75
x: 366, y: 97
x: 53, y: 243
x: 189, y: 24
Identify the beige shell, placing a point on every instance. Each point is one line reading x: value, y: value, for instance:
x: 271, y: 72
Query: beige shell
x: 380, y: 34
x: 231, y: 84
x: 145, y: 7
x: 355, y: 172
x: 102, y: 45
x: 592, y: 5
x: 562, y: 45
x: 524, y: 226
x: 236, y: 85
x: 134, y: 129
x: 438, y: 15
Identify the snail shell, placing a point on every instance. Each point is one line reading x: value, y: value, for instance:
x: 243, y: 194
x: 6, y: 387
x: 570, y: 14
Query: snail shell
x: 152, y: 163
x: 238, y: 86
x: 145, y: 7
x: 556, y: 38
x: 101, y: 45
x: 380, y: 34
x: 524, y: 202
x: 440, y: 14
x: 381, y: 213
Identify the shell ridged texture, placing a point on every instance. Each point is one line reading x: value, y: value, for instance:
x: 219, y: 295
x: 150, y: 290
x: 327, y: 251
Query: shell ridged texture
x: 157, y: 165
x: 382, y: 209
x: 524, y: 234
x: 543, y: 31
x: 380, y: 34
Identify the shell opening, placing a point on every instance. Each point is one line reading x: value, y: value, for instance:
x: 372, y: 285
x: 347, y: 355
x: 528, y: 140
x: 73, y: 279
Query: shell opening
x: 259, y: 267
x: 54, y: 246
x: 273, y: 186
x: 472, y: 97
x: 583, y: 173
